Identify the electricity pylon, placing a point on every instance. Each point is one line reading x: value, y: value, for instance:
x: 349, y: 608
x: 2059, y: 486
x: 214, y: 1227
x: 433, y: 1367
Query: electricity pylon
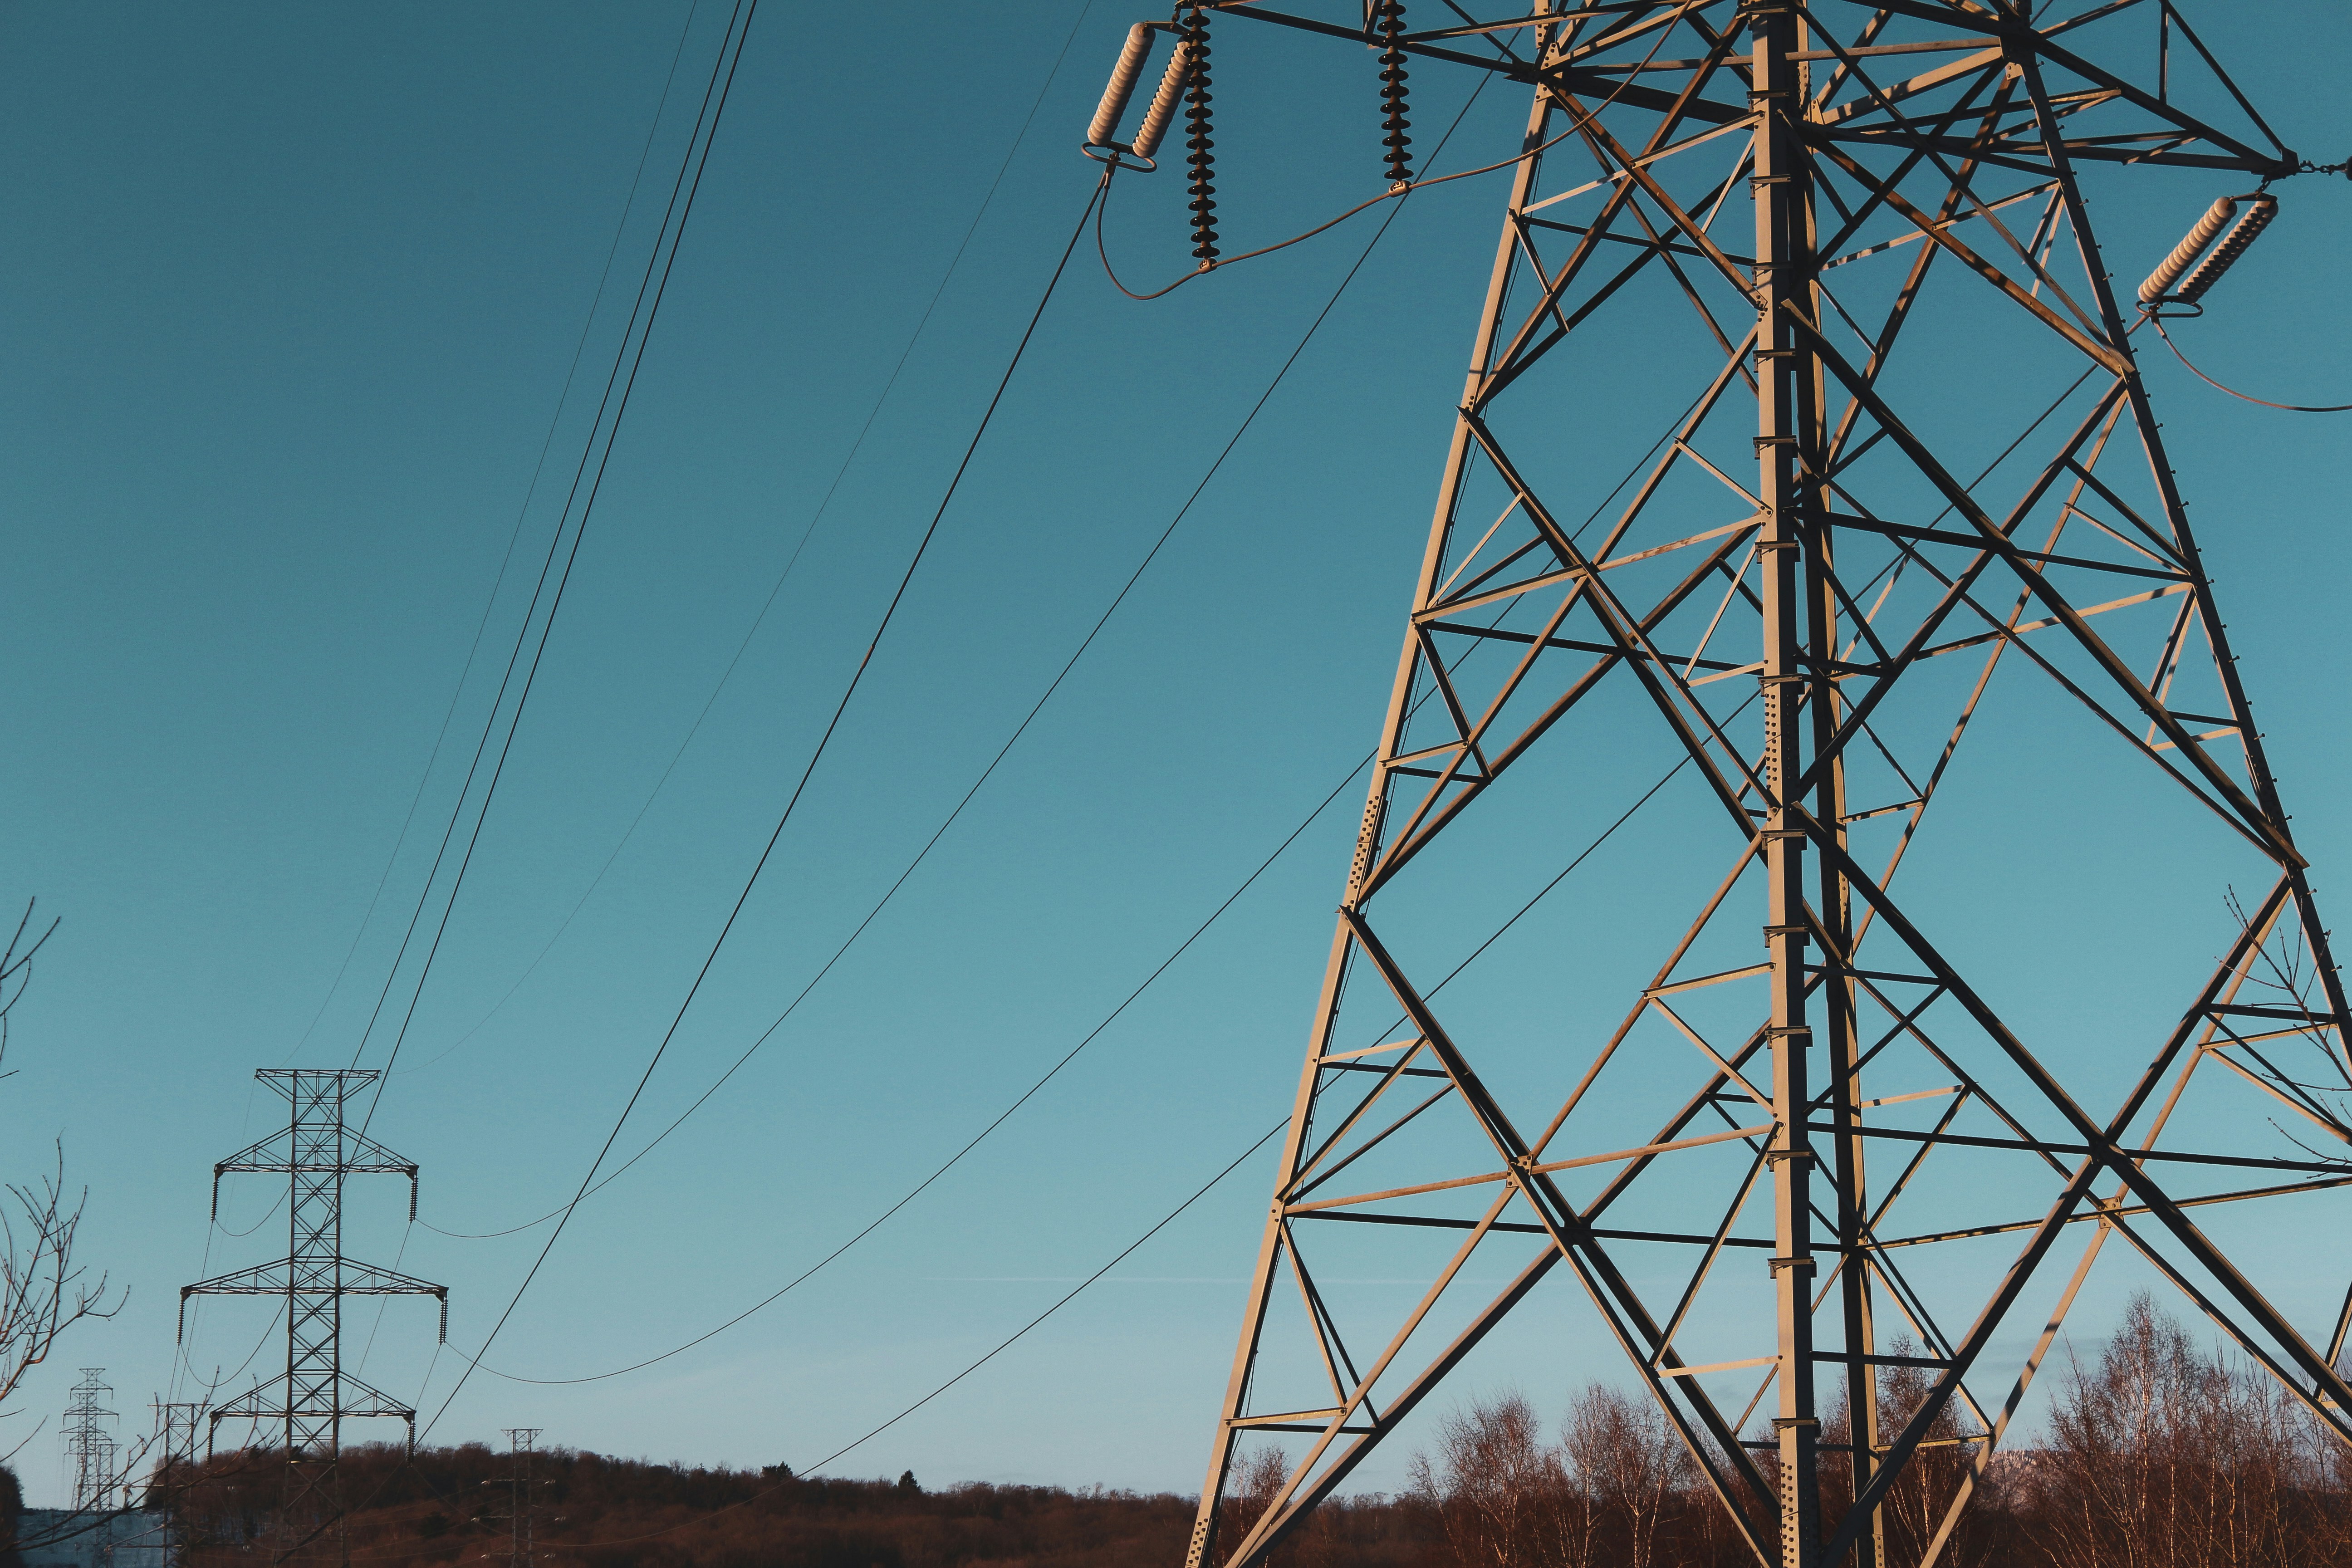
x: 522, y: 1501
x: 314, y: 1397
x: 89, y: 1447
x: 1781, y: 1127
x: 175, y: 1467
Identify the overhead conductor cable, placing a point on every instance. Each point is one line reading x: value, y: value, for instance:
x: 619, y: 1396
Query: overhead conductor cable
x: 2154, y: 292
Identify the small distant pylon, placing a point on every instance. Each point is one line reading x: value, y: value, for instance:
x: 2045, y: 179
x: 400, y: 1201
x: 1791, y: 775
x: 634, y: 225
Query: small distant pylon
x: 521, y: 1505
x: 312, y: 1398
x: 89, y: 1448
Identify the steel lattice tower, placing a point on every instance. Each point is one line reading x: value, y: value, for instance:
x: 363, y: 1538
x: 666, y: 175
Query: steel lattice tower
x: 1809, y: 1118
x: 312, y: 1398
x: 522, y: 1500
x: 89, y: 1450
x: 175, y: 1432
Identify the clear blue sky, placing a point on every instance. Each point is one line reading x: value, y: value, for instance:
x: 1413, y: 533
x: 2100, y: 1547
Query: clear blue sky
x: 287, y: 300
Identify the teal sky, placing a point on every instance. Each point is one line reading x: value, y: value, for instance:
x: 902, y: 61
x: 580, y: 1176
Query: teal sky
x: 287, y: 298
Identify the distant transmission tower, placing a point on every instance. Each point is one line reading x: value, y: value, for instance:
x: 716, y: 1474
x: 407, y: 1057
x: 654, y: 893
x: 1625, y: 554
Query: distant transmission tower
x: 1788, y: 1139
x: 89, y: 1447
x: 522, y: 1504
x: 314, y: 1397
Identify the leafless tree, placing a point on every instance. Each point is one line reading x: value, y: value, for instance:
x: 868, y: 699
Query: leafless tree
x: 43, y: 1290
x: 1498, y: 1490
x: 1623, y: 1454
x: 2162, y: 1457
x: 16, y: 968
x: 1257, y: 1482
x: 1915, y: 1505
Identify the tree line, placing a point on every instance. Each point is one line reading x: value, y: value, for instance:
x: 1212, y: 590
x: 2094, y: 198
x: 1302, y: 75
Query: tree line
x: 2156, y: 1453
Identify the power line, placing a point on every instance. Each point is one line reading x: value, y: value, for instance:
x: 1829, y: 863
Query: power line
x: 514, y: 536
x: 1001, y: 1347
x: 1003, y: 1117
x: 1008, y: 1341
x: 522, y: 632
x: 2158, y: 322
x: 815, y: 757
x: 1264, y: 1138
x: 715, y: 101
x: 1020, y: 730
x: 1161, y: 1223
x: 530, y: 490
x: 856, y: 446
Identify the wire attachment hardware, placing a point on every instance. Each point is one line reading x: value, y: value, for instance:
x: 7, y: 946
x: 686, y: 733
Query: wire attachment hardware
x: 1201, y: 159
x: 2157, y: 289
x: 1103, y: 132
x: 1393, y: 99
x: 1162, y: 112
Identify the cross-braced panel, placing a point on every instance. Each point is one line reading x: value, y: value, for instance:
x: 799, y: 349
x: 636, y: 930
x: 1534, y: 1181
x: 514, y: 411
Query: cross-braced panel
x: 1803, y: 1108
x: 311, y: 1399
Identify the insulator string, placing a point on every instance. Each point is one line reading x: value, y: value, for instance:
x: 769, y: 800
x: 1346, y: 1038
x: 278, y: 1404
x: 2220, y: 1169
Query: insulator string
x: 1201, y: 158
x: 1393, y: 104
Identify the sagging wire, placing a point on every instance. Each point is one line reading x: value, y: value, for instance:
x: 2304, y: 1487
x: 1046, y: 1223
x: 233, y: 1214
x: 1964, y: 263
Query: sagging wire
x: 816, y: 755
x: 2166, y: 291
x: 1104, y: 619
x: 514, y: 537
x: 776, y: 590
x: 1009, y: 1340
x: 2158, y: 322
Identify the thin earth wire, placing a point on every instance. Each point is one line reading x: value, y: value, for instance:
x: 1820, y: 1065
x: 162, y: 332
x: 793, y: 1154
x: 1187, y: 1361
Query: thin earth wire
x: 1128, y: 1000
x: 530, y: 611
x: 816, y: 755
x: 1263, y: 1138
x: 1630, y: 475
x: 530, y: 490
x: 383, y: 1305
x: 792, y: 560
x: 879, y: 1220
x: 1173, y: 1215
x: 257, y: 1225
x: 514, y: 536
x: 1009, y: 1340
x: 707, y: 121
x: 1169, y: 1219
x: 659, y: 287
x: 268, y: 1332
x: 1019, y: 730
